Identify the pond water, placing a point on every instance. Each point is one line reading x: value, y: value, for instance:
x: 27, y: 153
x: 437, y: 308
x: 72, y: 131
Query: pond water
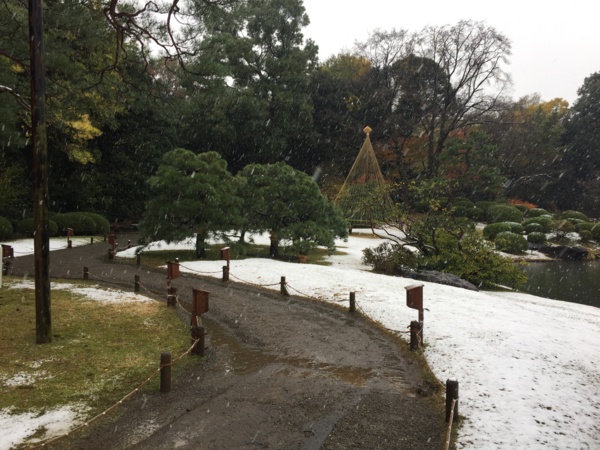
x: 572, y: 281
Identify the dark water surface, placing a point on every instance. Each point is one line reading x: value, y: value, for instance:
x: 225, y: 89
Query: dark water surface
x: 572, y: 281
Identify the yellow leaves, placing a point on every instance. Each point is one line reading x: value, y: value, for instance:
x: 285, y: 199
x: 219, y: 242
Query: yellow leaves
x: 83, y: 130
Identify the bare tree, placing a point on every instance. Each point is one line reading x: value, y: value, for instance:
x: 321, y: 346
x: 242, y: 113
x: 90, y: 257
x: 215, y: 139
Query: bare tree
x: 466, y: 84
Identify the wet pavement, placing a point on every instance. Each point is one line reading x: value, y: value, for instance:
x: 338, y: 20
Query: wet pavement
x: 279, y: 373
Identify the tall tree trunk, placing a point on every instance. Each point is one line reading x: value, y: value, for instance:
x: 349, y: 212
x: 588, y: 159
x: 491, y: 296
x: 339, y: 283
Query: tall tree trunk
x: 41, y: 243
x: 274, y: 247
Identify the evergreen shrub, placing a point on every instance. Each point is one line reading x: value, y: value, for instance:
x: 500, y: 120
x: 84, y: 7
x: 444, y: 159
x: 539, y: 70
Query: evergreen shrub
x: 102, y: 225
x: 562, y: 227
x: 536, y: 237
x: 574, y: 215
x: 595, y: 230
x: 484, y: 205
x: 81, y: 224
x: 533, y: 227
x: 503, y: 213
x: 6, y: 229
x: 584, y: 226
x: 491, y: 231
x: 511, y: 243
x: 389, y: 258
x: 516, y: 228
x: 26, y: 227
x: 477, y: 263
x: 521, y: 208
x: 536, y: 212
x: 544, y: 221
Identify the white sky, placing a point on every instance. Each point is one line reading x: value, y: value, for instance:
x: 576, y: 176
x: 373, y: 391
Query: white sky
x: 528, y: 367
x: 555, y: 45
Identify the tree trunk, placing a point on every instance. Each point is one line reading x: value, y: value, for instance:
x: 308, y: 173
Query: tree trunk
x: 274, y: 248
x: 200, y: 249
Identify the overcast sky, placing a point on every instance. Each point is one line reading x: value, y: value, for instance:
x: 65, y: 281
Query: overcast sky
x: 555, y: 45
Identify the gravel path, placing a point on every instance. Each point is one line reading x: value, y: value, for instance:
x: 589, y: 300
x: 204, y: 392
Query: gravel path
x: 279, y: 373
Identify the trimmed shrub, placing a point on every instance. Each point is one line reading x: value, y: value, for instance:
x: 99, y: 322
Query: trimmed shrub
x: 389, y: 258
x: 521, y: 208
x: 533, y: 227
x: 477, y: 263
x: 102, y: 225
x: 516, y: 228
x: 82, y: 224
x: 595, y: 230
x: 536, y: 237
x: 562, y: 227
x: 485, y: 204
x: 584, y: 226
x: 544, y: 221
x: 511, y: 243
x: 576, y: 221
x: 6, y: 229
x: 585, y: 235
x: 26, y: 227
x: 537, y: 212
x: 574, y: 215
x: 491, y: 231
x: 503, y: 213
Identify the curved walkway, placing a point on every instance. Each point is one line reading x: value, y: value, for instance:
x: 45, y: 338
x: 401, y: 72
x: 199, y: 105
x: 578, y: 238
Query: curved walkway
x: 280, y: 373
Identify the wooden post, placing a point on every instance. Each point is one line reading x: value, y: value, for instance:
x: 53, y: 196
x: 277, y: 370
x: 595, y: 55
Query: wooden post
x: 86, y: 273
x: 352, y: 302
x: 284, y: 290
x: 136, y: 285
x: 199, y: 305
x: 111, y: 253
x: 198, y: 333
x: 415, y: 338
x: 165, y: 372
x: 451, y: 394
x: 225, y: 273
x: 91, y: 239
x: 138, y: 259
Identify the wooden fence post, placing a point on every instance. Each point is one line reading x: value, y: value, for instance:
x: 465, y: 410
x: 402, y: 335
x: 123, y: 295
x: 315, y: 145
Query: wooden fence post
x: 86, y: 273
x: 284, y: 290
x: 451, y: 394
x: 136, y: 284
x: 352, y: 302
x: 225, y: 273
x: 165, y: 372
x: 415, y: 338
x: 198, y: 333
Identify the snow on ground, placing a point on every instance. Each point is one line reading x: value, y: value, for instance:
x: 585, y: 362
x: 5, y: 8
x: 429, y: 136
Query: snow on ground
x: 528, y: 367
x: 17, y: 428
x: 23, y: 247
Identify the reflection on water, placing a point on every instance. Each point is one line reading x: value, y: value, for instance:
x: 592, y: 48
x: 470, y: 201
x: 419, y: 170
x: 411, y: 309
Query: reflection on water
x: 572, y: 281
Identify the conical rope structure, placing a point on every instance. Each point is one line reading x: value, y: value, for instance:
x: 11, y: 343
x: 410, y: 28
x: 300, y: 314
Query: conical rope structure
x: 363, y: 199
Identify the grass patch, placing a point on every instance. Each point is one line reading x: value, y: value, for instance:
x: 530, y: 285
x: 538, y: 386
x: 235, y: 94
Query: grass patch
x: 100, y: 351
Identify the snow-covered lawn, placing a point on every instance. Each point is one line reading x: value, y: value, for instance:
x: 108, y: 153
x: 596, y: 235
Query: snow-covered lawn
x: 528, y: 367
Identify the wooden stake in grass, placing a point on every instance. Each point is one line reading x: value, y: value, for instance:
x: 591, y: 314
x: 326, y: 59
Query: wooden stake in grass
x: 352, y: 302
x: 165, y: 372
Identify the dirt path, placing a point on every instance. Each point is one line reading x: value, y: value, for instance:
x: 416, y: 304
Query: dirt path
x: 280, y: 373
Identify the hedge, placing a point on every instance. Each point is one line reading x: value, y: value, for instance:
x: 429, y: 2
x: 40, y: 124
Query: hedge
x: 534, y: 227
x: 503, y: 213
x: 491, y: 231
x: 102, y: 225
x: 537, y: 212
x: 574, y: 215
x: 26, y: 227
x: 511, y: 243
x: 544, y: 221
x: 536, y: 237
x: 81, y: 224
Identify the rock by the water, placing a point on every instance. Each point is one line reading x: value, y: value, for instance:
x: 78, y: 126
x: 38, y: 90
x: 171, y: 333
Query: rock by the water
x: 564, y: 252
x: 439, y: 277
